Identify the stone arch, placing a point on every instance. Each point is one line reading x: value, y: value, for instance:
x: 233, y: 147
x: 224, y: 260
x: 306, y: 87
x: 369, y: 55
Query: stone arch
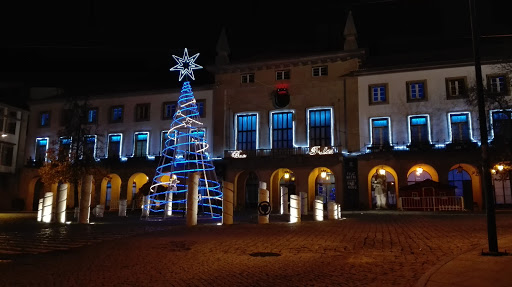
x: 390, y: 173
x: 426, y: 168
x: 475, y: 183
x: 136, y: 180
x: 36, y: 189
x: 115, y: 190
x: 274, y: 187
x: 314, y: 179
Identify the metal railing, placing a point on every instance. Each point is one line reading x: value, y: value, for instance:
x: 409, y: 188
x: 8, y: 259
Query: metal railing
x: 432, y: 203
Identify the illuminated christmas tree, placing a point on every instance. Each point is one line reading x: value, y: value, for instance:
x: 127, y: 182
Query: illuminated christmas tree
x: 185, y: 153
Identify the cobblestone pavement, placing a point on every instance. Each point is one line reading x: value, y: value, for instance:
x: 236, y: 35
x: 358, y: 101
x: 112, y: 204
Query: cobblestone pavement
x: 364, y: 249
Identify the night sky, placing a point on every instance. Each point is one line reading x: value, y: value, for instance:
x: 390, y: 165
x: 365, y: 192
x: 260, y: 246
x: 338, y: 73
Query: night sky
x: 92, y: 42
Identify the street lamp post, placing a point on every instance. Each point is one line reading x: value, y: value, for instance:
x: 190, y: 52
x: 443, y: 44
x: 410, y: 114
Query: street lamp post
x: 486, y: 172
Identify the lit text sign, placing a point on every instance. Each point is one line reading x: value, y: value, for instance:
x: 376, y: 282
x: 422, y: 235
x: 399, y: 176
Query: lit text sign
x: 318, y: 150
x: 238, y: 154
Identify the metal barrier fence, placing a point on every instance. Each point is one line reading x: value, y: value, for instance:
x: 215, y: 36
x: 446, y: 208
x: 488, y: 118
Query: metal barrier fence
x: 432, y: 203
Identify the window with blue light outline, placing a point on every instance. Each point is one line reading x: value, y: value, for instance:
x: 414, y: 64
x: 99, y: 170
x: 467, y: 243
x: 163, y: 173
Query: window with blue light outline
x: 419, y: 129
x: 378, y: 93
x: 282, y: 130
x: 320, y: 127
x: 460, y: 127
x: 380, y: 132
x: 89, y: 149
x: 41, y: 147
x: 64, y: 146
x: 246, y: 131
x: 114, y: 145
x: 416, y: 91
x: 501, y: 125
x: 140, y: 146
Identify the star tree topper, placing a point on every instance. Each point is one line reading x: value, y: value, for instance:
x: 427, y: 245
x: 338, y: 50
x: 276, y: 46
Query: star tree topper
x: 186, y: 65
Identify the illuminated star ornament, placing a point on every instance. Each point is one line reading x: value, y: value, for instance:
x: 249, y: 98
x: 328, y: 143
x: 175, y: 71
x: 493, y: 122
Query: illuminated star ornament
x: 186, y: 65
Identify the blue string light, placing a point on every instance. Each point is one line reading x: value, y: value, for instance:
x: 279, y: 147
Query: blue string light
x: 185, y: 152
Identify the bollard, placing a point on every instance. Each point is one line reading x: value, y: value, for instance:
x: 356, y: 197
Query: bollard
x: 227, y: 202
x: 168, y: 202
x: 339, y: 211
x: 319, y: 209
x: 284, y: 200
x: 303, y: 203
x: 47, y: 207
x: 192, y: 198
x: 263, y: 203
x: 85, y: 200
x: 145, y: 206
x: 294, y: 208
x: 61, y: 203
x: 122, y: 207
x: 40, y: 210
x: 331, y: 205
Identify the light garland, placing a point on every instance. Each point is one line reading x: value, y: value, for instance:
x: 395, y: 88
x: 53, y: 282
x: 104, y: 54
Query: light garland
x: 184, y: 153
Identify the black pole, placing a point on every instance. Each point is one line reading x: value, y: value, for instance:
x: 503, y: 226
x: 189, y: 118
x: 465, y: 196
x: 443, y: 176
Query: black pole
x: 487, y: 188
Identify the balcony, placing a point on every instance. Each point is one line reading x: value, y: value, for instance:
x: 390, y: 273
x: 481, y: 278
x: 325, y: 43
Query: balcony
x: 283, y: 152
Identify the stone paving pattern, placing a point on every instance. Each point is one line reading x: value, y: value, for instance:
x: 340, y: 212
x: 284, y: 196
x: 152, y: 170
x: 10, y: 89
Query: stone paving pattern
x: 364, y: 249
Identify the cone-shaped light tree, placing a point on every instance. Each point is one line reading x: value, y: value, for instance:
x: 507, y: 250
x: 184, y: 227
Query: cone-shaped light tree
x: 185, y: 152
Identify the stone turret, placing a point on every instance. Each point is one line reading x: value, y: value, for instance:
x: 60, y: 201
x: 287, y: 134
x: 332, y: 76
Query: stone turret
x: 350, y: 34
x: 223, y: 51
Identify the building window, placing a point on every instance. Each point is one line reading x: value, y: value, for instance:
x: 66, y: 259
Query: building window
x: 168, y: 140
x: 419, y: 130
x: 247, y: 78
x: 456, y: 88
x: 502, y: 125
x: 246, y: 131
x: 92, y: 115
x: 6, y: 154
x: 282, y: 130
x: 89, y: 149
x: 282, y: 75
x: 10, y: 120
x: 168, y: 110
x: 142, y: 112
x: 140, y: 147
x: 460, y: 127
x: 378, y: 94
x: 320, y: 127
x: 416, y: 91
x: 114, y: 145
x: 201, y: 108
x: 497, y: 84
x: 41, y: 147
x: 64, y: 147
x: 380, y: 131
x: 198, y: 136
x: 116, y: 114
x: 44, y: 119
x: 319, y: 71
x: 502, y: 188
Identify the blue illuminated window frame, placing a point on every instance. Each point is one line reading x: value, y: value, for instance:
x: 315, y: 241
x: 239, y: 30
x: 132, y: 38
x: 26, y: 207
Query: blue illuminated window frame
x: 505, y: 120
x: 89, y: 147
x: 460, y: 121
x: 140, y: 137
x: 384, y: 124
x: 246, y: 131
x: 114, y: 138
x: 378, y: 94
x: 65, y: 146
x: 282, y: 129
x: 320, y: 127
x: 41, y: 147
x: 416, y: 91
x: 421, y: 122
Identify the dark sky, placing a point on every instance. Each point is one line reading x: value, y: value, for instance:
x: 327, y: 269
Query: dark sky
x: 50, y: 42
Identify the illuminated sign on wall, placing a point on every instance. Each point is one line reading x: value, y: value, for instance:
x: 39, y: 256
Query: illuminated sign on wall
x: 317, y: 150
x: 238, y: 154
